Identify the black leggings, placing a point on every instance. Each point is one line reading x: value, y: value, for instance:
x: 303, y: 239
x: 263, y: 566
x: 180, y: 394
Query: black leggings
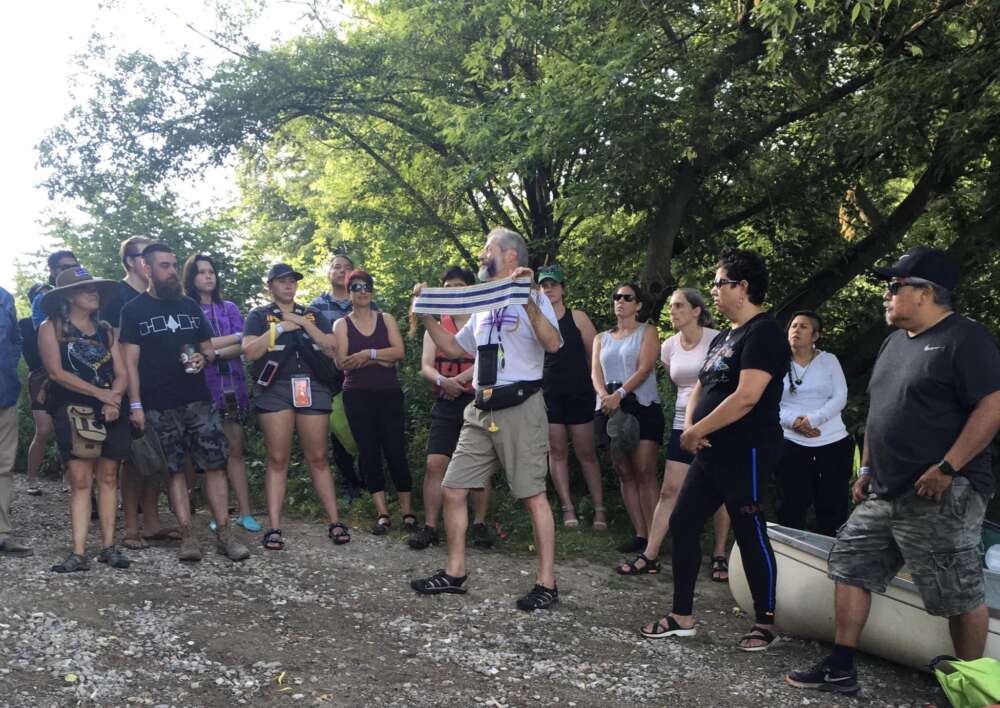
x: 815, y: 476
x: 377, y: 420
x: 735, y: 478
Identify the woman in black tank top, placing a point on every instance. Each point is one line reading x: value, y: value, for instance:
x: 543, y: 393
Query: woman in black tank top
x: 569, y: 399
x: 87, y: 381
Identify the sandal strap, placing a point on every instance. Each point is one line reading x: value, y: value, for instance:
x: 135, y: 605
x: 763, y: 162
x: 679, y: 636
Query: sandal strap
x: 758, y: 633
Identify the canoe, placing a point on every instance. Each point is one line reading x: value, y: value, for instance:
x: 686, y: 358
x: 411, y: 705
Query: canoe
x: 898, y: 629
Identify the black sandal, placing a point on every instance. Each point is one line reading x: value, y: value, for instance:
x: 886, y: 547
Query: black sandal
x: 74, y: 562
x: 719, y: 566
x: 650, y: 566
x: 670, y: 629
x: 272, y: 540
x: 409, y: 523
x: 438, y: 583
x: 758, y: 634
x: 380, y: 529
x: 339, y: 539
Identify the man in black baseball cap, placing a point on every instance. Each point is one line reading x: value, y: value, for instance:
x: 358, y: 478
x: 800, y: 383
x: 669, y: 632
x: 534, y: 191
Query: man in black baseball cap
x: 282, y: 270
x: 929, y: 264
x: 926, y: 475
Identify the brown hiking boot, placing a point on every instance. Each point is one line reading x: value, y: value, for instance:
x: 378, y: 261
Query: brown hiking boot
x: 227, y: 545
x: 190, y: 551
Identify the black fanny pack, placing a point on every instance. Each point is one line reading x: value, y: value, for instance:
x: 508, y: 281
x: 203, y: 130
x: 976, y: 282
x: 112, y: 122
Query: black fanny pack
x: 497, y: 398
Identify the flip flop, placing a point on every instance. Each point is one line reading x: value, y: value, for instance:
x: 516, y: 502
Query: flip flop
x: 134, y: 543
x: 171, y: 534
x: 33, y: 491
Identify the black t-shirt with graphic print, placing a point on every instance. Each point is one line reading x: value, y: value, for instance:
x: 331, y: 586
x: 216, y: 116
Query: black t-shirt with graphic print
x: 759, y: 344
x: 161, y: 328
x: 922, y: 391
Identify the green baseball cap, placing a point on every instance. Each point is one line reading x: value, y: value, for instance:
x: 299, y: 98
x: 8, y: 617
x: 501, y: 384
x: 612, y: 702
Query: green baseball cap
x: 552, y: 272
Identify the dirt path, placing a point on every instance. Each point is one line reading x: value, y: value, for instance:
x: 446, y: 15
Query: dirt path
x: 319, y: 625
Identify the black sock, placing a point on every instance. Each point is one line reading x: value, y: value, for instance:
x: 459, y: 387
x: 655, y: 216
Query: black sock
x: 842, y: 658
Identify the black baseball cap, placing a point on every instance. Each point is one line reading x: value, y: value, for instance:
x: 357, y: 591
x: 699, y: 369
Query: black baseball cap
x: 282, y: 270
x: 924, y: 262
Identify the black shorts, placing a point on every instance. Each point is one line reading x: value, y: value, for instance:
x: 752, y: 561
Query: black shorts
x: 117, y: 446
x: 278, y: 397
x: 446, y: 424
x: 37, y: 379
x: 650, y: 419
x: 193, y: 429
x: 675, y: 452
x: 576, y: 408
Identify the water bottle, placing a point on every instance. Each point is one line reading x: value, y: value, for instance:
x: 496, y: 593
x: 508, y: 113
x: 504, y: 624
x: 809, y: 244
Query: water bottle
x: 187, y: 353
x: 993, y: 557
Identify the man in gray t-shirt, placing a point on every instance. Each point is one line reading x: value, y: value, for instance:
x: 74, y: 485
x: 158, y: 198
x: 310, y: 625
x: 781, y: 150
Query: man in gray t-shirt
x: 925, y: 476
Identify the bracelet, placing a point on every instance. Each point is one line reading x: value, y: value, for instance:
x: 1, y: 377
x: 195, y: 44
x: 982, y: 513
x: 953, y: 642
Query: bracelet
x: 135, y: 405
x: 864, y: 471
x: 374, y: 354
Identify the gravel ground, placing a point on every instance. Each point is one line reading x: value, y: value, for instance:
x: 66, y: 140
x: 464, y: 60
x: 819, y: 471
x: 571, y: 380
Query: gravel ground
x: 339, y: 626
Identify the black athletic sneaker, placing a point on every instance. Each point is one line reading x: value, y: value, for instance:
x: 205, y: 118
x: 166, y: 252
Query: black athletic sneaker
x: 538, y: 598
x: 426, y: 536
x: 438, y: 583
x: 481, y: 536
x: 824, y: 678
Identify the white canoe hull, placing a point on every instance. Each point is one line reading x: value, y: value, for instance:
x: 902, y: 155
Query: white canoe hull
x: 898, y: 629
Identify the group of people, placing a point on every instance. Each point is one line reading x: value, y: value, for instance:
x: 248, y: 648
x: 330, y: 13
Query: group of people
x: 514, y: 383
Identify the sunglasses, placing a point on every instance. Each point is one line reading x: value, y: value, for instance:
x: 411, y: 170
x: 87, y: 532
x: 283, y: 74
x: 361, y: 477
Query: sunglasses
x: 623, y: 296
x: 133, y: 254
x: 724, y: 281
x: 66, y: 266
x: 894, y: 286
x: 360, y: 288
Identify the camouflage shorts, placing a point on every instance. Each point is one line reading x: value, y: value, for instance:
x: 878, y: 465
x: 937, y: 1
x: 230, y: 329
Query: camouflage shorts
x: 940, y: 543
x: 193, y: 429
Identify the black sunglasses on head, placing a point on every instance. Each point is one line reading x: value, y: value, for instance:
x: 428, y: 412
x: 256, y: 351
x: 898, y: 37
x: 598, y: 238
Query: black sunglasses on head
x: 623, y: 296
x: 360, y: 288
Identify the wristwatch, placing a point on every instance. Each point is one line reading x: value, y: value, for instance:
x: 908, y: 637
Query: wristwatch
x: 946, y: 467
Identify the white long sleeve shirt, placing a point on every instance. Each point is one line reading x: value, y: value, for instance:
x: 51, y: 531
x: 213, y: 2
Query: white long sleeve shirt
x: 820, y: 397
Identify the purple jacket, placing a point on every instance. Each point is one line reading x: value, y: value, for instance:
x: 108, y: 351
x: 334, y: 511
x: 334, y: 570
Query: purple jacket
x: 226, y: 319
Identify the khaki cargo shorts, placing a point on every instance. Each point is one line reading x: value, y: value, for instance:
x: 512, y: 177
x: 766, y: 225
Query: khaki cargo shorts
x: 520, y: 445
x: 940, y: 543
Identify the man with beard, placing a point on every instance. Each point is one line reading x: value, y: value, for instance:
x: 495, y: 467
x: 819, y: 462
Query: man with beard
x: 925, y: 476
x: 135, y: 485
x: 510, y: 345
x: 167, y: 343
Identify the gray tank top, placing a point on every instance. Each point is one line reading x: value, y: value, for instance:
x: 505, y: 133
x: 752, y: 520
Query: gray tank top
x: 620, y: 359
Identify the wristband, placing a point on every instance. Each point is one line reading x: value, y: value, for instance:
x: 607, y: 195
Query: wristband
x: 373, y: 354
x: 135, y: 405
x: 239, y: 336
x: 279, y: 329
x: 438, y: 380
x: 864, y: 471
x: 621, y: 393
